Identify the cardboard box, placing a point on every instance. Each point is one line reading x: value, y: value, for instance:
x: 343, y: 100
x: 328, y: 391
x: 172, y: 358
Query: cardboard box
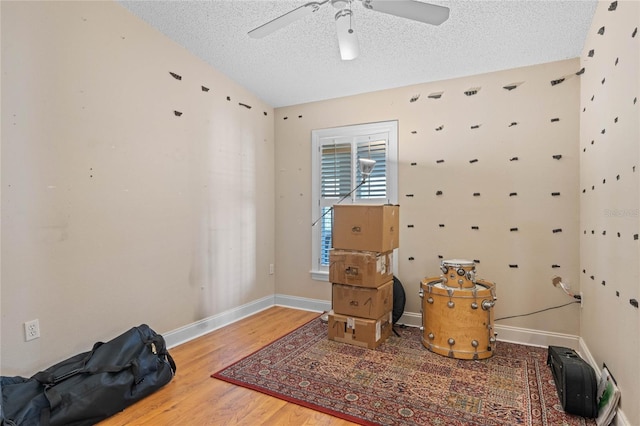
x: 363, y: 302
x: 368, y: 333
x: 362, y: 268
x: 366, y: 227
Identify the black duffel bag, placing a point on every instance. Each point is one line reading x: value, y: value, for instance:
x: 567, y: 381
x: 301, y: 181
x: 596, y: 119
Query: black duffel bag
x: 90, y: 386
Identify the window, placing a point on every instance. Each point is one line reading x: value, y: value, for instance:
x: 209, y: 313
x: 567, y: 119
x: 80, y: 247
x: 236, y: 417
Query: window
x: 338, y: 180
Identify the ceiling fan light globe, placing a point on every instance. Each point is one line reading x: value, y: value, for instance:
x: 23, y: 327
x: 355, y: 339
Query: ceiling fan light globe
x: 347, y: 38
x: 340, y: 4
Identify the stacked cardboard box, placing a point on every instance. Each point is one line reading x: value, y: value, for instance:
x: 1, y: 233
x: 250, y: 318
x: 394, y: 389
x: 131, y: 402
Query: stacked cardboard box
x: 361, y: 273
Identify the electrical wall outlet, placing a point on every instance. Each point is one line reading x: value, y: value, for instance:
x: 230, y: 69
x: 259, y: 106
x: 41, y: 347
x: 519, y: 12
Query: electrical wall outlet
x: 272, y: 269
x: 31, y: 330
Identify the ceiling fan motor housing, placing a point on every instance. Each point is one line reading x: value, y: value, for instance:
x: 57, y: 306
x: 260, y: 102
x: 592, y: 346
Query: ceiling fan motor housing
x: 341, y: 4
x: 347, y: 40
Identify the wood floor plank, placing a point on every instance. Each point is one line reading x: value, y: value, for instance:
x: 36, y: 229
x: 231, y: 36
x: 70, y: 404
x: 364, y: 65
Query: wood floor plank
x: 298, y: 415
x: 194, y: 398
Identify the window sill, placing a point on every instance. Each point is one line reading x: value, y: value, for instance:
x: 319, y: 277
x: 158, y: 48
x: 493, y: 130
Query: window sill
x: 320, y: 275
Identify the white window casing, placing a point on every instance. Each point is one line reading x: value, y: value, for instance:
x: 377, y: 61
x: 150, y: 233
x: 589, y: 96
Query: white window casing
x: 335, y: 177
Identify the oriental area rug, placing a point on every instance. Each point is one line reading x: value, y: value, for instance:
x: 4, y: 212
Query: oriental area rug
x: 401, y: 383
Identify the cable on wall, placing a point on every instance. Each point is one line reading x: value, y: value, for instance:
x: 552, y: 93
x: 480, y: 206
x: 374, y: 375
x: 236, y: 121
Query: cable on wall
x: 537, y: 312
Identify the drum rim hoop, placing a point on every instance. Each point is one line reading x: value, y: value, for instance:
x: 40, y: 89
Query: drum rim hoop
x: 458, y: 262
x: 464, y: 292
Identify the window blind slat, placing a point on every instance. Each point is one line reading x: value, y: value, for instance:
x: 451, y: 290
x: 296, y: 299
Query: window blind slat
x: 376, y: 184
x: 337, y: 160
x: 335, y: 170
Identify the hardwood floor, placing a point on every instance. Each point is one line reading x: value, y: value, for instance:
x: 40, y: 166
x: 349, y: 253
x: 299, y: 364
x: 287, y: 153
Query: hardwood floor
x: 194, y: 398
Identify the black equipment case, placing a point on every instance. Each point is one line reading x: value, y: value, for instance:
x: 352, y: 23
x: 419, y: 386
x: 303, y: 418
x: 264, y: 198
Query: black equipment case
x: 575, y: 381
x: 90, y: 386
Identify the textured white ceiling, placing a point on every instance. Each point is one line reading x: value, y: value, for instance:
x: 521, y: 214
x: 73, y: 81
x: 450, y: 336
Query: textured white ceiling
x: 301, y: 63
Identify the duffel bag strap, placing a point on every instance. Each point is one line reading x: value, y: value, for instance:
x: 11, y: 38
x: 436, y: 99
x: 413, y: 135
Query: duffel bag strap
x: 158, y: 347
x: 169, y: 359
x: 165, y: 353
x: 53, y: 396
x: 47, y: 378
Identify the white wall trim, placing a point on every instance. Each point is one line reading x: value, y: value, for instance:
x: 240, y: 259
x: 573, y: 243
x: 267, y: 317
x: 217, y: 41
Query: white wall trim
x: 200, y: 328
x: 506, y: 333
x: 207, y: 325
x: 313, y: 305
x: 411, y: 319
x: 584, y: 352
x: 526, y: 336
x: 620, y: 419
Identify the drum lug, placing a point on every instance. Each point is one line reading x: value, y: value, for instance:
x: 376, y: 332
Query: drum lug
x: 487, y: 304
x: 471, y: 276
x: 477, y: 298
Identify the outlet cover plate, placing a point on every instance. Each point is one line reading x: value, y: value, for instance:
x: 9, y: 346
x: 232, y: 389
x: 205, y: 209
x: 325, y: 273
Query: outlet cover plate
x: 31, y: 330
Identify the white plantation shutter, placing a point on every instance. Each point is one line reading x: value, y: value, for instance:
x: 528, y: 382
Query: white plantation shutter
x: 336, y: 175
x: 335, y: 169
x: 376, y: 185
x: 335, y: 182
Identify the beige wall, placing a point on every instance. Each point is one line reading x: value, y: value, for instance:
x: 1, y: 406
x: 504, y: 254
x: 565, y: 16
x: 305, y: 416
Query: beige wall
x: 609, y: 199
x: 115, y: 211
x: 535, y: 139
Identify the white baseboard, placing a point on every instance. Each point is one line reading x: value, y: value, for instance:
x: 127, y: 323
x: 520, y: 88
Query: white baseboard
x: 411, y: 319
x: 200, y: 328
x: 523, y: 336
x: 313, y: 305
x: 526, y: 336
x: 620, y: 419
x: 506, y: 333
x: 583, y: 351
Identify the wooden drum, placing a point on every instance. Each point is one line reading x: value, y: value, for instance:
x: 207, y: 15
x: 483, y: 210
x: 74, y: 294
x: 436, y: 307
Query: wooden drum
x: 458, y: 323
x: 459, y: 273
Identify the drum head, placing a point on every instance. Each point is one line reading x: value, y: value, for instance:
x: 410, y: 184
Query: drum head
x: 461, y: 262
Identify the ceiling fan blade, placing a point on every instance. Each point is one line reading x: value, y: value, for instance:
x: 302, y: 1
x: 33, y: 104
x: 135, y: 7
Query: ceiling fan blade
x: 286, y: 19
x: 410, y: 9
x: 347, y: 39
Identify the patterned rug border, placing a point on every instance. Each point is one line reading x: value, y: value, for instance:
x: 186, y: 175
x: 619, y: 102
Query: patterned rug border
x: 545, y: 410
x: 218, y: 375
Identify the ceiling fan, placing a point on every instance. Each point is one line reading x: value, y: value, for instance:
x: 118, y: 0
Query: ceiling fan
x: 347, y: 39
